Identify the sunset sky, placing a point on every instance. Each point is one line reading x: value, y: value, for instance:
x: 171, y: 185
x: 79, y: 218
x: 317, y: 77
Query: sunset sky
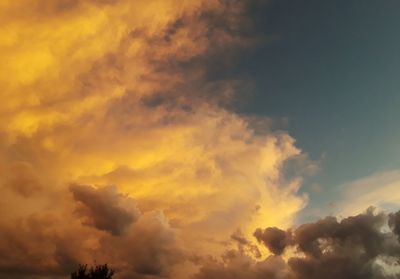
x: 200, y: 139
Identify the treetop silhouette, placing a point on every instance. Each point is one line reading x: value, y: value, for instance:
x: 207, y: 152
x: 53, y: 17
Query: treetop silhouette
x: 96, y: 272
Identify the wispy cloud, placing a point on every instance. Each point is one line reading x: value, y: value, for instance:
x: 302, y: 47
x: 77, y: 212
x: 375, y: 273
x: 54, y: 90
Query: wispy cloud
x: 381, y: 190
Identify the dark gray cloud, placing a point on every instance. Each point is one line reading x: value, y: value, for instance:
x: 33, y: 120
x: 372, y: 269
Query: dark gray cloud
x: 394, y: 223
x: 353, y: 248
x: 274, y: 239
x: 105, y: 208
x: 349, y: 248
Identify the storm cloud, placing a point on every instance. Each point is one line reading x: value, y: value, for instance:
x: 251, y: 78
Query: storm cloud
x: 358, y: 246
x: 125, y: 93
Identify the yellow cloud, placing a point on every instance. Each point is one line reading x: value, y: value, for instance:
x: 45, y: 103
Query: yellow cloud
x: 107, y: 93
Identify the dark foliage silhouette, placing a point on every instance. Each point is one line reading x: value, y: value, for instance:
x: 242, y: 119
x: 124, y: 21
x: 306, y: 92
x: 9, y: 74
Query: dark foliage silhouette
x: 96, y: 272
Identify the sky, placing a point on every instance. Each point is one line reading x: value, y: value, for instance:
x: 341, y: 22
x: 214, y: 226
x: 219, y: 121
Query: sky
x: 200, y: 139
x: 330, y: 70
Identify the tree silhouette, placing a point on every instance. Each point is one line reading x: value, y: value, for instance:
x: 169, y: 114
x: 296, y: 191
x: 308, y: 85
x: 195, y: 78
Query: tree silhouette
x: 96, y: 272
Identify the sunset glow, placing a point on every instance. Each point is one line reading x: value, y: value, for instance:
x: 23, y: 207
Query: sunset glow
x: 123, y: 140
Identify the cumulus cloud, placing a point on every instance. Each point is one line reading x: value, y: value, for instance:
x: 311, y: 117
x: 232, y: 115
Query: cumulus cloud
x: 274, y: 239
x: 394, y: 223
x: 125, y: 93
x: 104, y: 208
x: 359, y: 246
x: 52, y: 244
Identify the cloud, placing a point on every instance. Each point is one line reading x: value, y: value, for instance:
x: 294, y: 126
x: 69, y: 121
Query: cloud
x: 104, y: 209
x: 364, y: 192
x: 21, y: 178
x: 274, y: 239
x: 394, y: 223
x: 152, y: 248
x: 356, y: 247
x: 124, y: 93
x: 349, y: 248
x: 52, y: 244
x: 239, y: 266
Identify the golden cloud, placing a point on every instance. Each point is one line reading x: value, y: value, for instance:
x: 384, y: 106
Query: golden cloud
x: 116, y: 93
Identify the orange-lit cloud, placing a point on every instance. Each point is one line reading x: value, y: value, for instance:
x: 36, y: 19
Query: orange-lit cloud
x: 115, y: 94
